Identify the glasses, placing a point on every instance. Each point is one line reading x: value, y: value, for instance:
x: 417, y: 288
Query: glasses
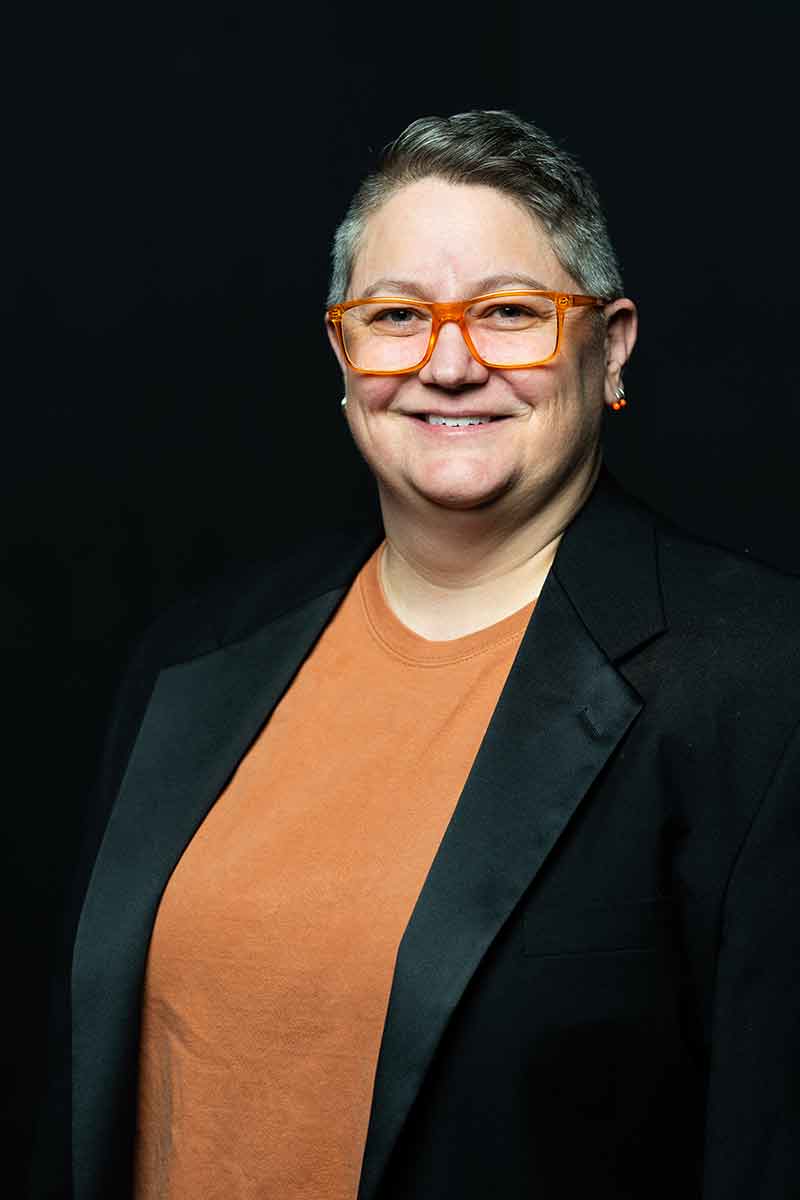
x: 395, y: 335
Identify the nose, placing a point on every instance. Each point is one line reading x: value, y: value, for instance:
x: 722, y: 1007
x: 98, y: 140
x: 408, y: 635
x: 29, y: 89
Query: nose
x: 451, y: 365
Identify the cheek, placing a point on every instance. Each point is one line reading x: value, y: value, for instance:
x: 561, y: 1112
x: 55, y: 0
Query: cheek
x: 368, y: 398
x: 581, y: 387
x: 370, y: 394
x: 549, y: 394
x: 592, y: 373
x: 566, y: 408
x: 535, y: 389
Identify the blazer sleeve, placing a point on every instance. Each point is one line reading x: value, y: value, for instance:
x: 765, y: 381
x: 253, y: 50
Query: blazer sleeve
x: 50, y: 1167
x: 753, y: 1104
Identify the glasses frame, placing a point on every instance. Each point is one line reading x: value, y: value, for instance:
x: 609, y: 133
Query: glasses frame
x: 454, y: 311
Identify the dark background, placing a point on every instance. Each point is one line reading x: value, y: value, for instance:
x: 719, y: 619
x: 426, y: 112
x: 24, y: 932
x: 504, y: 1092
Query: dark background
x: 171, y: 170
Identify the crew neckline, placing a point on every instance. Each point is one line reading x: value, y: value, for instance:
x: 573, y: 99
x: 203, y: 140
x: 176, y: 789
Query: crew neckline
x: 411, y: 647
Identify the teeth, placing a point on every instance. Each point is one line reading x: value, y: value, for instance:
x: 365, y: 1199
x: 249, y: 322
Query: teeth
x: 457, y: 420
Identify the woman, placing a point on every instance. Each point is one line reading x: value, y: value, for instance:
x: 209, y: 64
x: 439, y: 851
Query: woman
x: 458, y: 859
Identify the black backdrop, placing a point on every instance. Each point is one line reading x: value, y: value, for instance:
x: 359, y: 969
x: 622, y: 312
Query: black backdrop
x: 171, y: 169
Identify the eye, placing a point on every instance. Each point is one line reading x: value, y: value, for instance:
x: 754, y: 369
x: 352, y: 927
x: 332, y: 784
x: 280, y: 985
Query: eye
x: 525, y: 313
x: 395, y: 319
x: 510, y: 315
x: 395, y: 316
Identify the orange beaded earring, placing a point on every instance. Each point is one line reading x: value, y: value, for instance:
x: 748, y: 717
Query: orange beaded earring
x: 620, y: 401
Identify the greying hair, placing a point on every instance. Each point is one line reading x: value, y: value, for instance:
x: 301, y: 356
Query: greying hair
x: 499, y: 150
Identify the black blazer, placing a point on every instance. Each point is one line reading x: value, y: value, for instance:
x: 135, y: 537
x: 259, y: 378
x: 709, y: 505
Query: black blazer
x: 598, y: 992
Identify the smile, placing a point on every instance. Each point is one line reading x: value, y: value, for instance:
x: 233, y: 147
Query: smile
x: 451, y: 421
x: 456, y: 422
x: 451, y: 427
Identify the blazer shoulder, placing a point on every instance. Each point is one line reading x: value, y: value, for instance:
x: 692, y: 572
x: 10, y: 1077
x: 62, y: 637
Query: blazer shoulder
x: 225, y: 611
x: 236, y: 604
x: 709, y: 588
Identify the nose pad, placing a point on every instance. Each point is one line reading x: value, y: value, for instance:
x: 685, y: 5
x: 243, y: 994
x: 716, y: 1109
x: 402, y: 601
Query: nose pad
x: 452, y: 362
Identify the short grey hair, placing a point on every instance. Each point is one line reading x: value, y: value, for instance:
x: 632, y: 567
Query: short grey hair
x: 497, y: 149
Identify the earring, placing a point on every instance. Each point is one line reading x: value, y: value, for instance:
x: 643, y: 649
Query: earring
x: 620, y: 401
x: 343, y: 401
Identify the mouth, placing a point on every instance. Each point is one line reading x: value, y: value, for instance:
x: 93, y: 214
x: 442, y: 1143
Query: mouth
x: 459, y: 421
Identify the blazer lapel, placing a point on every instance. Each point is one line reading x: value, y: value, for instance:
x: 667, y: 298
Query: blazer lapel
x: 203, y: 716
x: 562, y: 713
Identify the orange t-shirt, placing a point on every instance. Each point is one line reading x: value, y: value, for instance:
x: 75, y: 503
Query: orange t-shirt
x: 273, y: 950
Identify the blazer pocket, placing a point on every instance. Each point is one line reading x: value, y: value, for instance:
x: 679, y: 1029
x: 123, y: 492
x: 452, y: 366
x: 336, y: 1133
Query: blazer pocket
x: 637, y: 926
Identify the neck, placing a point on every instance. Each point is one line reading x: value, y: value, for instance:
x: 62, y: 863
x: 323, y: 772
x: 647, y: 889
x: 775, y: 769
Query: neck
x: 448, y: 573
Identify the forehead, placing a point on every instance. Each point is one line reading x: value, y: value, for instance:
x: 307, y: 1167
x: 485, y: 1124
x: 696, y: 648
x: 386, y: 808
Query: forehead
x: 447, y: 237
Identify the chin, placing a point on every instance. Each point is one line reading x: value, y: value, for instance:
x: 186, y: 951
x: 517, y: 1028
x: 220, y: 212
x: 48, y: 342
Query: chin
x: 461, y: 499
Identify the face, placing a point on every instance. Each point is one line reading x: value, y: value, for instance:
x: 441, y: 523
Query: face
x: 440, y: 241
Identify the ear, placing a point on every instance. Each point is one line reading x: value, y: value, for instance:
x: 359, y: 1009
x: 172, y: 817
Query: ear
x: 622, y: 323
x: 330, y: 329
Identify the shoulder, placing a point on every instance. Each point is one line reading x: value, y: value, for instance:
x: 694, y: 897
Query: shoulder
x: 228, y: 610
x: 731, y: 637
x: 703, y: 586
x: 691, y: 620
x: 236, y: 604
x: 708, y: 589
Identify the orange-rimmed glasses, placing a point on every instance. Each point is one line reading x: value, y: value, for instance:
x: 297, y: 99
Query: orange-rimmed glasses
x: 396, y: 335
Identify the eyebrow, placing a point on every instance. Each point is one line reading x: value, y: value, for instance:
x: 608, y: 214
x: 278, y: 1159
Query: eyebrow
x: 490, y: 283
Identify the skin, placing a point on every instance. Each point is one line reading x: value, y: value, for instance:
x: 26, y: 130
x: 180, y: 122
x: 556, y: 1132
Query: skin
x: 473, y: 516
